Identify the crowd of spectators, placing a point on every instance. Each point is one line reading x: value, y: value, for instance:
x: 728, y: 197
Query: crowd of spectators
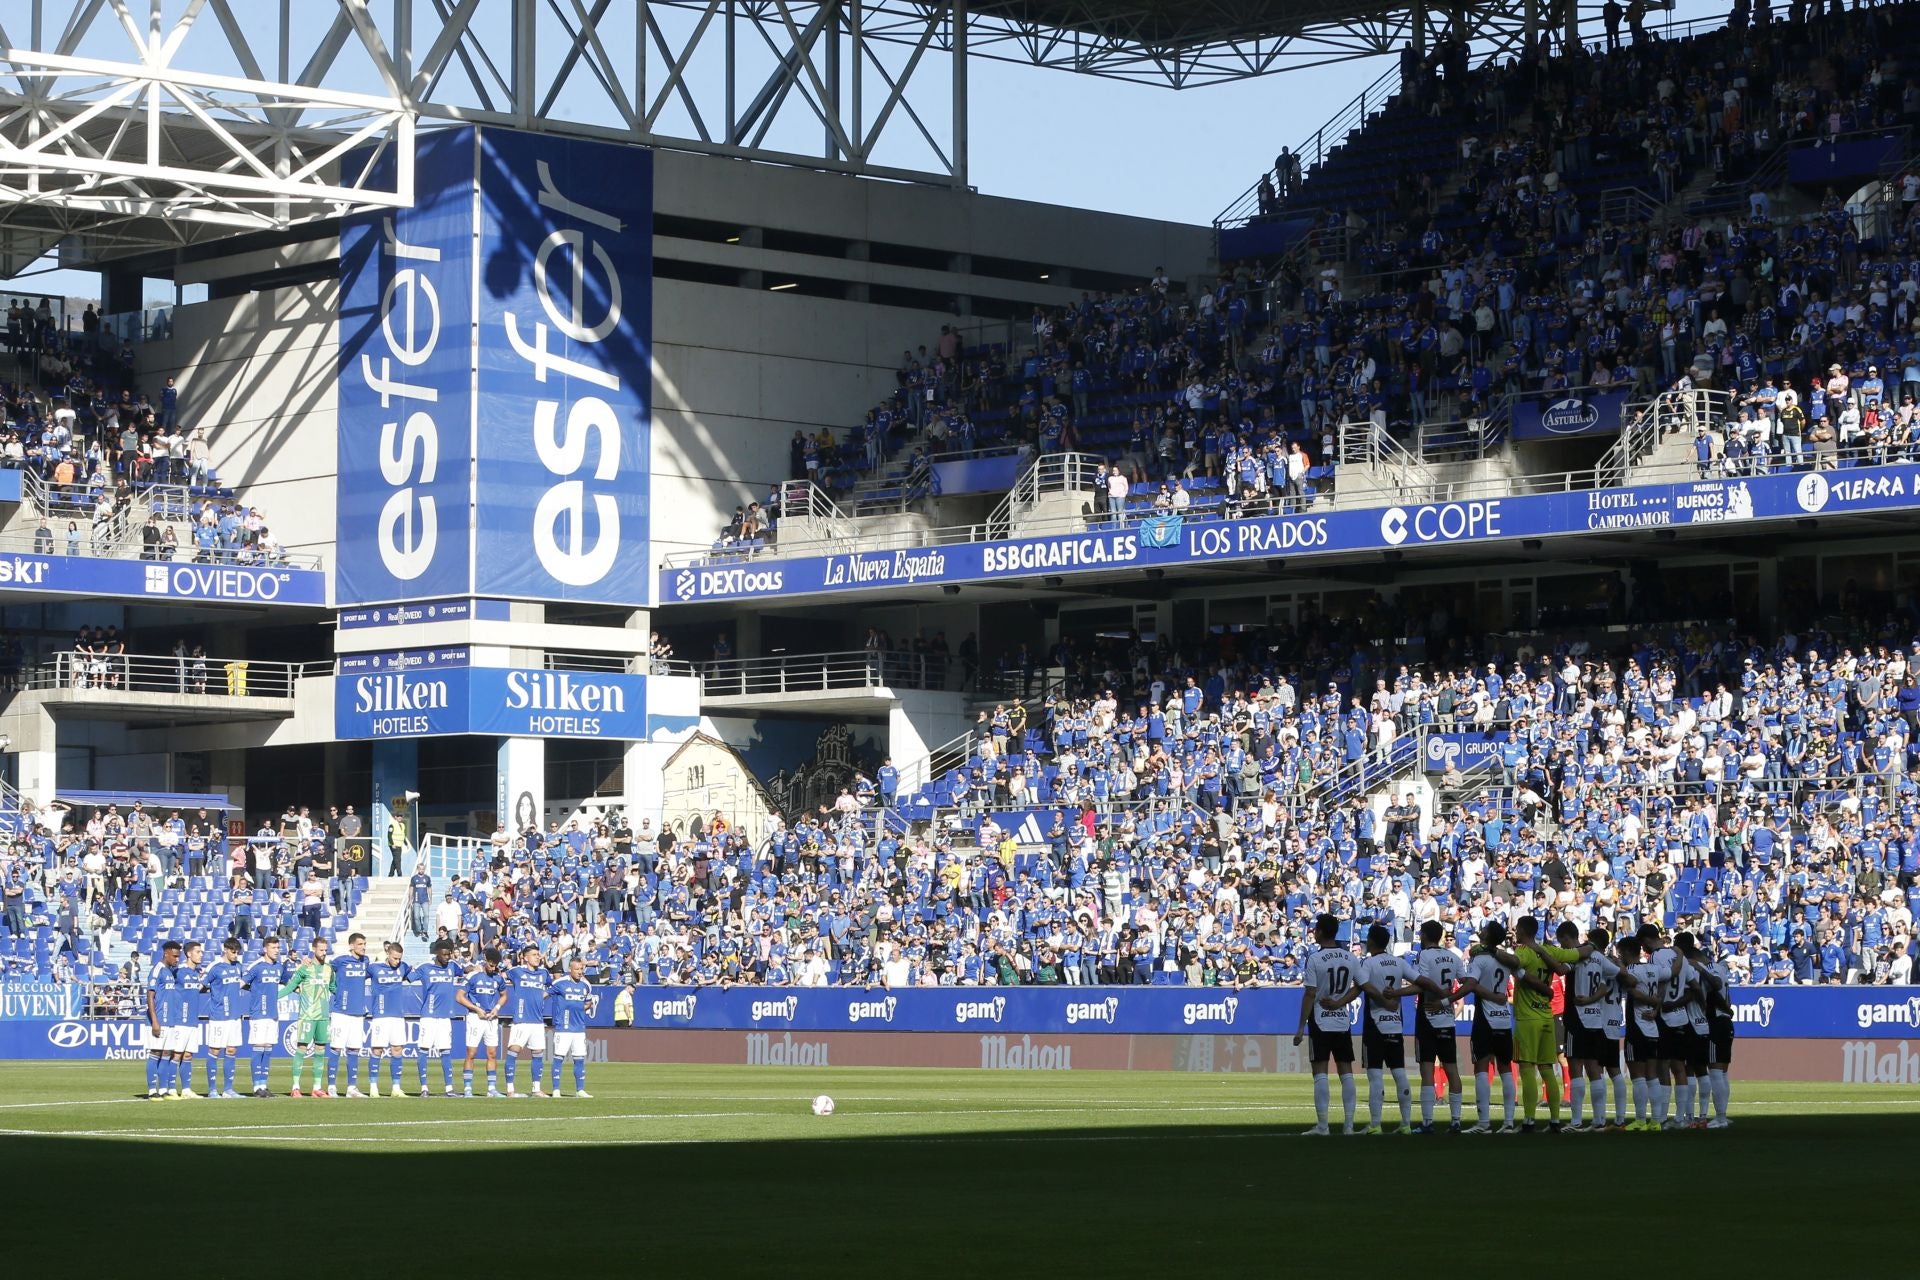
x: 70, y: 412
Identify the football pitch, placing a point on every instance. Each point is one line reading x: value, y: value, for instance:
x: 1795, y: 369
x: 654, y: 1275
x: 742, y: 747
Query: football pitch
x: 725, y: 1171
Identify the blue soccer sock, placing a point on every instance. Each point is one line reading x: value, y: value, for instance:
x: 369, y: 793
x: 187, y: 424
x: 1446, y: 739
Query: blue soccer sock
x: 393, y: 1072
x: 226, y: 1072
x: 153, y: 1073
x: 446, y: 1070
x: 513, y: 1069
x: 579, y: 1077
x: 353, y: 1069
x: 553, y: 1074
x: 466, y: 1077
x: 492, y: 1083
x: 213, y: 1065
x: 333, y: 1066
x: 420, y: 1061
x: 169, y: 1074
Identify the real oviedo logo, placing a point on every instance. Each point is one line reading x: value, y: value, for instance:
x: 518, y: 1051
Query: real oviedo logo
x: 1569, y: 417
x: 1812, y: 492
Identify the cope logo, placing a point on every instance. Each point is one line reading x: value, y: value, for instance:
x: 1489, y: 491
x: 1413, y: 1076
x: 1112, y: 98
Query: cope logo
x: 1812, y: 492
x: 1449, y: 522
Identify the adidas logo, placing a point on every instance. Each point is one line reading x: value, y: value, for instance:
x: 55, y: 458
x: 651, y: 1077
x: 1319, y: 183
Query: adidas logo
x: 1030, y: 832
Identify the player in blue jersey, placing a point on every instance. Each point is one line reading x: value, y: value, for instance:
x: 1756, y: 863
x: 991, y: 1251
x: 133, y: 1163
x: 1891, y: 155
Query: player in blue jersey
x: 191, y: 1013
x: 392, y: 982
x: 527, y: 1012
x: 439, y: 983
x: 570, y: 1003
x: 347, y: 1028
x: 163, y: 990
x: 226, y: 1004
x: 262, y: 984
x: 483, y: 995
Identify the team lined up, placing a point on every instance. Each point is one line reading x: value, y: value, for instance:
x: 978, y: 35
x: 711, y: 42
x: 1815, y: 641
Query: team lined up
x: 350, y: 1006
x: 1651, y: 1016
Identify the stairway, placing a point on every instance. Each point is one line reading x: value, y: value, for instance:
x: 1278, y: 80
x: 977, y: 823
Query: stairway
x: 1672, y: 460
x: 379, y: 916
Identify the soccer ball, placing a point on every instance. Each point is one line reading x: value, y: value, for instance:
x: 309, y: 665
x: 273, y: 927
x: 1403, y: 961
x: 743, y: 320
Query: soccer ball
x: 823, y: 1105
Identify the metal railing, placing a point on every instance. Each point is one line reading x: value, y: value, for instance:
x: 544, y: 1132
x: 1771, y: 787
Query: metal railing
x: 1051, y: 473
x: 941, y: 760
x: 1315, y: 149
x: 172, y: 674
x: 819, y: 672
x: 606, y: 663
x: 451, y: 857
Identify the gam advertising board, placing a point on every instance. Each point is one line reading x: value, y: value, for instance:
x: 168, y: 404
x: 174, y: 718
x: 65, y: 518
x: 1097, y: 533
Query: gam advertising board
x: 495, y: 376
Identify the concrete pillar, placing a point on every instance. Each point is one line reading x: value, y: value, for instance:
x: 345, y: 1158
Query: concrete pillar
x: 396, y: 771
x: 520, y: 786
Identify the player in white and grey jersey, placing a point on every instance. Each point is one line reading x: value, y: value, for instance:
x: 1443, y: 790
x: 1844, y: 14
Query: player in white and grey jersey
x: 1436, y: 970
x: 1332, y: 975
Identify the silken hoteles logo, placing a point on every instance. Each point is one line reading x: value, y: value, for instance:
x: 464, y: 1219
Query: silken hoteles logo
x: 1812, y: 492
x: 1904, y: 1013
x: 1571, y: 416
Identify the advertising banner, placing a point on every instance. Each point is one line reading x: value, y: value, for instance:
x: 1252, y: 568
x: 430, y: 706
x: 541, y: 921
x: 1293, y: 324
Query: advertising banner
x: 428, y: 700
x: 565, y: 376
x: 1733, y: 500
x: 1586, y: 412
x: 406, y: 385
x: 144, y: 580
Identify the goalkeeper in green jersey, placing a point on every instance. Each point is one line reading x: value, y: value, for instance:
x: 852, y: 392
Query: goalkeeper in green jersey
x: 312, y: 985
x: 1536, y: 1047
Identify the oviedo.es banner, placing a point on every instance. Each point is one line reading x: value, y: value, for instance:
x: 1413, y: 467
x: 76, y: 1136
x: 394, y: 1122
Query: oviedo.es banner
x: 495, y: 375
x: 1488, y: 520
x: 177, y: 580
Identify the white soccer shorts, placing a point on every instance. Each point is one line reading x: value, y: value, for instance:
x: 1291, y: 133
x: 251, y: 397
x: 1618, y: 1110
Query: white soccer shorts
x: 224, y: 1034
x: 569, y: 1044
x: 528, y: 1035
x: 262, y: 1033
x: 193, y: 1038
x: 347, y: 1031
x: 482, y: 1033
x: 436, y: 1035
x: 153, y: 1041
x: 389, y: 1033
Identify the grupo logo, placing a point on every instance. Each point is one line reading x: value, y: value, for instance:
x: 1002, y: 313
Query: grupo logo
x: 1569, y: 417
x: 68, y: 1035
x: 681, y: 1008
x: 781, y: 1009
x: 1442, y: 752
x: 1812, y: 492
x: 1906, y: 1013
x: 980, y: 1010
x: 1093, y: 1010
x: 1222, y: 1011
x: 872, y: 1010
x: 1755, y: 1013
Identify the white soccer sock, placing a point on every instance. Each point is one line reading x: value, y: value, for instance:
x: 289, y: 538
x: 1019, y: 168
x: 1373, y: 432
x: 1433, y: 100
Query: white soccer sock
x: 1579, y: 1092
x: 1320, y: 1096
x: 1376, y: 1094
x: 1349, y: 1096
x: 1622, y: 1084
x: 1426, y: 1104
x: 1662, y: 1096
x: 1481, y: 1101
x: 1684, y: 1111
x: 1406, y: 1096
x: 1506, y: 1096
x: 1454, y: 1099
x: 1642, y: 1087
x: 1722, y: 1092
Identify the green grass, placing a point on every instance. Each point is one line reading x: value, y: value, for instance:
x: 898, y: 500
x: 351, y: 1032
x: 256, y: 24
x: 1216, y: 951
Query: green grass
x: 724, y: 1171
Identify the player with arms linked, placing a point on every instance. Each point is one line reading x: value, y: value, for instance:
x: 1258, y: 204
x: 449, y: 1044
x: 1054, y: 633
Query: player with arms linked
x: 570, y: 1003
x: 483, y: 995
x: 439, y: 982
x: 1332, y: 976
